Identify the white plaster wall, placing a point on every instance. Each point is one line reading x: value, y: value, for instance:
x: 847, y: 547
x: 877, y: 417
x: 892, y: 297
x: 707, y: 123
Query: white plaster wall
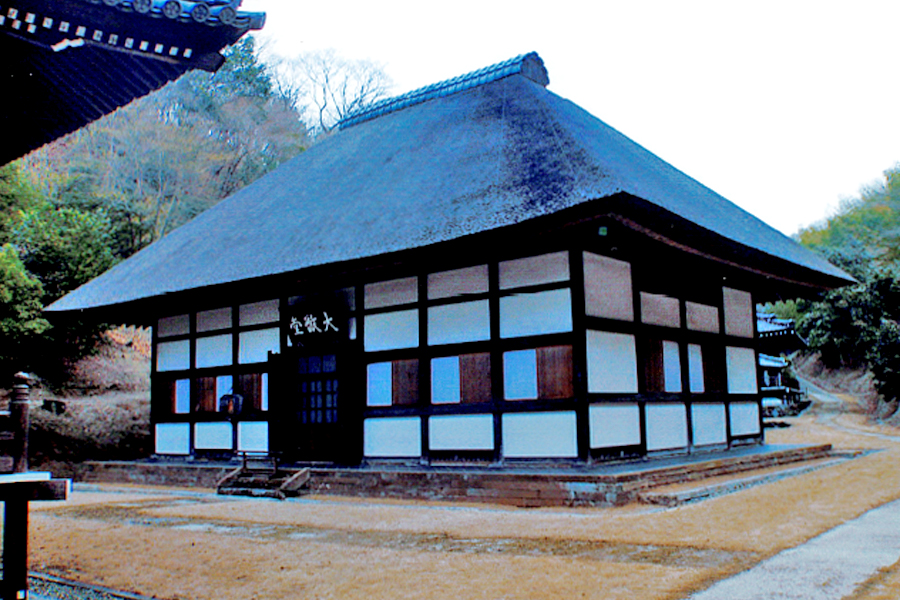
x: 539, y: 435
x: 259, y: 313
x: 456, y: 323
x: 695, y: 369
x: 459, y: 282
x: 671, y: 366
x: 173, y: 438
x: 254, y: 346
x: 701, y: 317
x: 533, y: 270
x: 740, y: 368
x: 738, y: 312
x: 177, y: 325
x: 213, y: 436
x: 214, y: 351
x: 520, y: 375
x: 659, y: 309
x: 445, y: 388
x: 392, y: 330
x: 666, y: 426
x: 461, y: 432
x: 708, y: 421
x: 253, y: 436
x: 612, y: 363
x: 607, y: 288
x: 209, y: 320
x: 744, y: 418
x: 173, y: 356
x: 392, y: 437
x: 614, y: 425
x: 391, y: 293
x: 379, y: 384
x: 536, y: 314
x: 182, y: 396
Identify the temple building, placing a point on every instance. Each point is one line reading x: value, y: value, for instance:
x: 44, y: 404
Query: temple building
x: 476, y: 270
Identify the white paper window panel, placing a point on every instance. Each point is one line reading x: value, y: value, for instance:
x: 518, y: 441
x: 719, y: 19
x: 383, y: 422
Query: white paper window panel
x: 253, y: 436
x: 608, y: 292
x: 695, y: 369
x: 456, y: 323
x: 534, y: 270
x: 264, y: 392
x: 461, y: 432
x: 445, y: 380
x: 182, y: 396
x: 390, y: 331
x: 210, y: 320
x: 744, y: 418
x: 177, y: 325
x: 173, y: 438
x: 701, y: 317
x: 392, y: 437
x: 658, y: 309
x: 614, y: 425
x: 214, y: 351
x: 520, y: 375
x: 738, y: 312
x: 391, y: 293
x: 612, y: 363
x: 540, y: 435
x: 254, y: 346
x: 224, y: 385
x: 459, y: 282
x: 671, y: 366
x: 173, y: 356
x: 740, y: 369
x: 258, y: 313
x: 536, y: 314
x: 213, y: 436
x: 379, y: 387
x: 666, y: 426
x: 708, y: 421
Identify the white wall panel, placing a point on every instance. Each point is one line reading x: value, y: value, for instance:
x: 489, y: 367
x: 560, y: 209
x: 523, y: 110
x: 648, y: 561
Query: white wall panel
x: 213, y: 436
x: 708, y: 422
x: 214, y: 351
x: 253, y: 436
x: 173, y: 356
x: 658, y: 309
x: 459, y: 282
x: 740, y: 369
x: 744, y: 418
x: 701, y: 317
x: 695, y: 369
x: 612, y: 362
x: 209, y: 320
x: 536, y: 314
x: 461, y: 432
x: 520, y: 375
x: 177, y: 325
x: 259, y: 313
x: 391, y: 293
x: 173, y: 438
x: 392, y: 330
x: 614, y: 425
x: 738, y: 312
x: 456, y: 323
x: 379, y: 384
x: 254, y: 346
x: 608, y: 291
x: 390, y: 437
x: 534, y: 270
x: 671, y: 366
x: 182, y: 396
x: 540, y: 435
x: 445, y: 388
x: 666, y: 426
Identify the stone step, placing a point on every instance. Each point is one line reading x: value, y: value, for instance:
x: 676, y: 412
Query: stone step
x: 252, y: 491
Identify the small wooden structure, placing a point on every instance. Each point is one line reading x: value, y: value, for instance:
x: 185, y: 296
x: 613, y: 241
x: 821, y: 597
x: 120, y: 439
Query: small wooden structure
x: 18, y: 487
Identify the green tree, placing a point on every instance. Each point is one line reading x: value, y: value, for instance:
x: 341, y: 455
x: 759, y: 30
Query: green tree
x: 21, y: 323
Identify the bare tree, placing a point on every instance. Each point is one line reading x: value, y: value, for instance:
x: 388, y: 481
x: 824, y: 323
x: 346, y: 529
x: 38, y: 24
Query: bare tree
x: 332, y: 87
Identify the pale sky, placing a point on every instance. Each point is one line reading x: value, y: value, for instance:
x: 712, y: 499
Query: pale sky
x: 783, y: 107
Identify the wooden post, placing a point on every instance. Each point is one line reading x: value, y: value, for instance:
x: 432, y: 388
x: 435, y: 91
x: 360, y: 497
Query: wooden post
x: 18, y: 410
x: 15, y: 548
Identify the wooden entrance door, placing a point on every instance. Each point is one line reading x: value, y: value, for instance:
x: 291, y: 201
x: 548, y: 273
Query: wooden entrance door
x: 314, y: 418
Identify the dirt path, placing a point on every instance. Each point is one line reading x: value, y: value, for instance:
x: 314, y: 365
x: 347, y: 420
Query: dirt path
x: 193, y: 546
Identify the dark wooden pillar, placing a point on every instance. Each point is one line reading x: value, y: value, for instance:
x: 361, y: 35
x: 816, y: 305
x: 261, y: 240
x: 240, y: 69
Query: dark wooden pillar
x: 18, y: 411
x: 15, y: 547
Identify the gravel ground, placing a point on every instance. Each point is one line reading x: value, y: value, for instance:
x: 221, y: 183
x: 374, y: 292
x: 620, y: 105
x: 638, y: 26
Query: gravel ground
x: 42, y: 587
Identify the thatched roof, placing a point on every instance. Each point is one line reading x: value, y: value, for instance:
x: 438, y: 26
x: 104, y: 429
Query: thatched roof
x: 490, y: 151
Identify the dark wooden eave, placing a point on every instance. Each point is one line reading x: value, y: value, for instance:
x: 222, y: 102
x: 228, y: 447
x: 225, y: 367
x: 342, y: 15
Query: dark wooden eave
x: 70, y: 62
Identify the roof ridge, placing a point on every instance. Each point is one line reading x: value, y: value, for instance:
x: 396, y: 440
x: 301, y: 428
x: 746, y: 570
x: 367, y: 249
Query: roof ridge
x: 529, y: 65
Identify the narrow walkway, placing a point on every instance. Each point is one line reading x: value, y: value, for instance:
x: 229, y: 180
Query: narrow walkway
x: 828, y: 567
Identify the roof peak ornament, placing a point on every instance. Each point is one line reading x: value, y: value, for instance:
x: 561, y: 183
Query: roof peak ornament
x: 528, y: 65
